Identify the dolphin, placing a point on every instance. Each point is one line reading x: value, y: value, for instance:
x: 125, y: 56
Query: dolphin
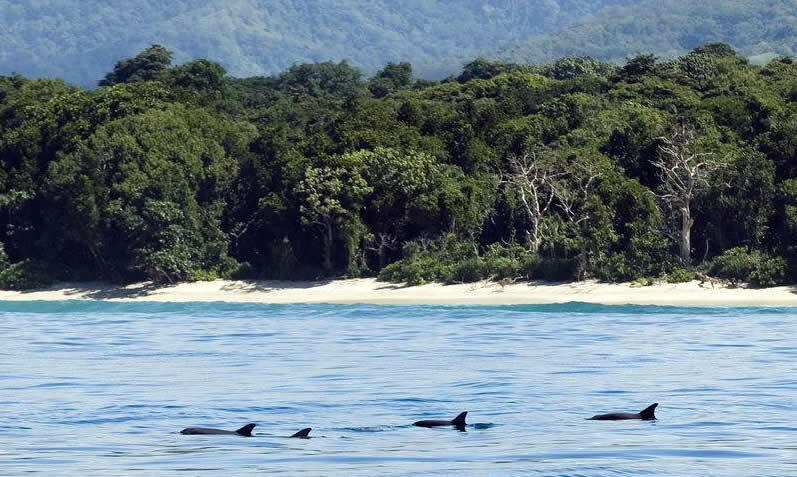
x: 645, y: 414
x: 303, y: 434
x: 245, y: 431
x: 458, y: 422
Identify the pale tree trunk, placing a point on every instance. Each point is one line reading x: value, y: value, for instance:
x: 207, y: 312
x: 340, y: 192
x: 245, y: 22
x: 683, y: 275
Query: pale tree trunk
x: 685, y: 174
x: 328, y: 247
x: 536, y: 236
x: 686, y: 231
x: 533, y: 178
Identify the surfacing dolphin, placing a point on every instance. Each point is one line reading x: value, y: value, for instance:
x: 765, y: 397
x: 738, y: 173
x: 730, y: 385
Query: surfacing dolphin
x: 303, y: 434
x: 458, y: 422
x: 245, y: 431
x: 645, y: 414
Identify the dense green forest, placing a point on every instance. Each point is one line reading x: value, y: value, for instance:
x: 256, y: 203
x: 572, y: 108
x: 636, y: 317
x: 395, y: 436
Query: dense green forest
x: 569, y: 170
x: 81, y: 40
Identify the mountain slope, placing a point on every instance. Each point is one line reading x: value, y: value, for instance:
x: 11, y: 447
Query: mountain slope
x: 80, y: 40
x: 668, y: 28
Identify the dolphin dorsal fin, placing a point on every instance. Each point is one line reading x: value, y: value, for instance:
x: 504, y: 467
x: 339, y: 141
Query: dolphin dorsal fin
x: 647, y: 413
x: 459, y: 421
x: 303, y: 434
x: 246, y: 430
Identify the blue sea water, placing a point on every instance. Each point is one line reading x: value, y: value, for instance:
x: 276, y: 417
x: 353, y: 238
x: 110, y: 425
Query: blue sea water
x: 96, y: 388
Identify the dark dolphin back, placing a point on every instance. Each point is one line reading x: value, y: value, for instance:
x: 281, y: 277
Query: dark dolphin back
x: 246, y: 430
x: 304, y: 433
x: 648, y: 413
x: 459, y: 421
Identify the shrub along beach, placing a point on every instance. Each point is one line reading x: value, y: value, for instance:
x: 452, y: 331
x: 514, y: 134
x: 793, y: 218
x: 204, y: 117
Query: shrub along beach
x: 655, y: 171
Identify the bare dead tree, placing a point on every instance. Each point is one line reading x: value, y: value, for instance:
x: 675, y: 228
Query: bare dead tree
x: 533, y: 177
x: 381, y: 244
x: 572, y: 192
x: 685, y: 174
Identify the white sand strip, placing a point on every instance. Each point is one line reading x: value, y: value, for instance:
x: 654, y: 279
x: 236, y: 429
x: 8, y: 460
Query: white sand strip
x: 371, y: 291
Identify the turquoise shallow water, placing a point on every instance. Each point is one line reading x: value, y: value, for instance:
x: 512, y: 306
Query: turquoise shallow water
x: 92, y: 388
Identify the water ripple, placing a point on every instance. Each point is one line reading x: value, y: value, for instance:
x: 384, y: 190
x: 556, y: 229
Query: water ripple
x: 93, y: 388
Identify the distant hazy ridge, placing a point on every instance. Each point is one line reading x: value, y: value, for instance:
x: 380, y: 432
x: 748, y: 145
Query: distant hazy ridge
x: 81, y: 40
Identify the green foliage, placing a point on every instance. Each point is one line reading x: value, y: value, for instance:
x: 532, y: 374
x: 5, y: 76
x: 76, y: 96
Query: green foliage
x: 146, y: 66
x: 25, y: 275
x: 392, y: 78
x: 680, y: 275
x: 755, y: 267
x: 3, y: 257
x: 643, y: 282
x: 157, y: 179
x: 183, y: 173
x: 449, y: 261
x: 458, y: 261
x: 331, y: 200
x: 571, y: 67
x: 639, y: 66
x: 552, y: 269
x: 482, y: 68
x: 771, y: 271
x: 200, y: 76
x: 418, y: 271
x: 321, y: 80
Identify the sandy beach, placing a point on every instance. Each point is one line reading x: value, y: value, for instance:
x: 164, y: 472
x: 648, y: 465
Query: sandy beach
x: 372, y: 291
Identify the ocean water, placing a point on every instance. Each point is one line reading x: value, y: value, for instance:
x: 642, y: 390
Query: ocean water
x: 92, y: 388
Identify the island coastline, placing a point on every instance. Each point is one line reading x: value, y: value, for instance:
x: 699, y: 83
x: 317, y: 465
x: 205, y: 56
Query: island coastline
x: 371, y: 291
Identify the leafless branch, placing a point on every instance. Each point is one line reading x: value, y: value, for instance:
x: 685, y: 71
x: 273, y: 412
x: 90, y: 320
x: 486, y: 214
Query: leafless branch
x: 684, y: 174
x: 534, y: 182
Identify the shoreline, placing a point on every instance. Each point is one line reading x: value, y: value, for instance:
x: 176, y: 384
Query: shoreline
x: 370, y: 291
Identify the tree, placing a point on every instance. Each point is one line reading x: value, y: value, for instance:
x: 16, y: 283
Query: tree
x: 401, y: 182
x: 638, y: 66
x: 572, y: 192
x: 685, y: 174
x: 717, y: 48
x: 391, y: 78
x: 533, y: 175
x: 3, y: 257
x: 322, y: 80
x: 571, y: 67
x: 202, y: 76
x: 481, y: 68
x: 146, y: 66
x: 142, y: 197
x: 331, y: 199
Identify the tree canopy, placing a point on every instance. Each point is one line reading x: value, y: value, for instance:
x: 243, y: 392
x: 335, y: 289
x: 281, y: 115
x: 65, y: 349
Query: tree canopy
x: 572, y: 169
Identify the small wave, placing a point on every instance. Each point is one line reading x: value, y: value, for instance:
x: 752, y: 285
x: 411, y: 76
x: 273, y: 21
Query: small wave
x: 369, y: 428
x: 356, y: 311
x: 100, y: 420
x: 701, y: 424
x: 777, y: 428
x: 704, y: 453
x: 483, y: 425
x: 578, y: 371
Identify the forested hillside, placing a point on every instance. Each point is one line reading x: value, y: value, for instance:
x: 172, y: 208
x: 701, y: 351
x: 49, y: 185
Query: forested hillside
x: 759, y: 29
x: 563, y: 171
x: 79, y: 40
